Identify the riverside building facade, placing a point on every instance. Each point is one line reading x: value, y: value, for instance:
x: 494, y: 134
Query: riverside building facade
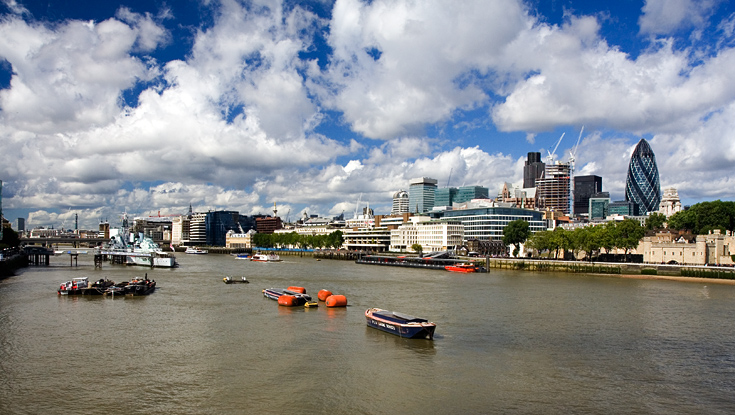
x: 432, y: 235
x: 487, y: 223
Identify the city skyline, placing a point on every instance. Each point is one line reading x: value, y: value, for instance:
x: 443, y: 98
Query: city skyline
x: 146, y: 107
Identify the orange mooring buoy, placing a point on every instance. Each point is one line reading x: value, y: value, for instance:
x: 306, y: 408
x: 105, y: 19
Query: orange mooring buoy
x: 336, y: 301
x: 322, y: 295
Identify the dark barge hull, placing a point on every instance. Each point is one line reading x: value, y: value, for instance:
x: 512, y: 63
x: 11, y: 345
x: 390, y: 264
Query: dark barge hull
x: 415, y: 329
x: 409, y: 262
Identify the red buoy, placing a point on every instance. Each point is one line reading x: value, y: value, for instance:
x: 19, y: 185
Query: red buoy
x: 323, y: 295
x: 300, y: 290
x: 287, y: 300
x: 336, y: 301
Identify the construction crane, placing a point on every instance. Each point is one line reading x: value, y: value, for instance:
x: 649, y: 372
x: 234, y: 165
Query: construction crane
x: 573, y: 153
x: 572, y: 160
x: 357, y: 205
x: 552, y: 154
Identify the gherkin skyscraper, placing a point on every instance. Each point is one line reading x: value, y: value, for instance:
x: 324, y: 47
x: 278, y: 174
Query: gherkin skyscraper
x: 642, y: 185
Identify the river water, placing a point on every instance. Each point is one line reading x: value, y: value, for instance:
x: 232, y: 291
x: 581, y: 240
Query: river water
x: 506, y: 342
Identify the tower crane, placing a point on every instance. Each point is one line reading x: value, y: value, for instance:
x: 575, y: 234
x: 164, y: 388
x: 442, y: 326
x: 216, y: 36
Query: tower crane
x: 357, y: 205
x: 572, y: 160
x: 552, y: 154
x: 573, y: 153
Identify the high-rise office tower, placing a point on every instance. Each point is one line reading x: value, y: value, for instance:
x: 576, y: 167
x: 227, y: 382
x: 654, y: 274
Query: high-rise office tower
x: 533, y: 169
x: 467, y: 193
x: 400, y: 202
x: 421, y: 194
x: 584, y: 188
x: 445, y: 196
x: 642, y: 186
x: 552, y: 190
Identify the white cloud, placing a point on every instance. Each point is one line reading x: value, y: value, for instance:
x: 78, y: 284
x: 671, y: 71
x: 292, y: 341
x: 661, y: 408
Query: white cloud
x: 70, y: 77
x: 664, y: 17
x: 236, y: 124
x: 428, y: 52
x: 594, y: 84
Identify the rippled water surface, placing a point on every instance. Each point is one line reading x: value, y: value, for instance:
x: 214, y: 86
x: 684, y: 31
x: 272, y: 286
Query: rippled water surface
x: 506, y: 342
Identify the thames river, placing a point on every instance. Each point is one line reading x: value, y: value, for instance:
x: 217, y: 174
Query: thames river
x: 508, y: 342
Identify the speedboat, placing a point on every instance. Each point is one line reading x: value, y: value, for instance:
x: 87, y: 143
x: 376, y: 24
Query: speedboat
x: 265, y: 258
x: 402, y: 325
x: 461, y: 268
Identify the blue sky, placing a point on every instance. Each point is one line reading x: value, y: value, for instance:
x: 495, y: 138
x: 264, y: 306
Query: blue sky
x: 146, y: 107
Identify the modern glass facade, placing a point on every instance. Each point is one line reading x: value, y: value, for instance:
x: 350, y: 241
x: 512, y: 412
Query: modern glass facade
x: 467, y: 193
x: 584, y: 188
x: 421, y: 194
x: 642, y: 185
x: 487, y: 224
x: 445, y: 196
x: 218, y: 223
x: 624, y: 208
x: 599, y: 207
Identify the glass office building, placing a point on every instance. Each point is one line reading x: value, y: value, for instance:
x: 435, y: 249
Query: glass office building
x: 642, y: 185
x: 445, y: 196
x: 488, y: 223
x: 467, y: 193
x: 421, y: 193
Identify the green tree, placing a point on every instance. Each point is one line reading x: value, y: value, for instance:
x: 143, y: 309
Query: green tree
x: 704, y: 217
x: 629, y: 234
x: 655, y: 221
x: 417, y: 248
x: 515, y: 233
x: 10, y: 239
x: 541, y: 242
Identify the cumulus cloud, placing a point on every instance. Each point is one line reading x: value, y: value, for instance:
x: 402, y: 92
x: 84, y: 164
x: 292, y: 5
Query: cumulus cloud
x: 664, y: 17
x: 598, y: 85
x: 400, y: 65
x: 238, y: 121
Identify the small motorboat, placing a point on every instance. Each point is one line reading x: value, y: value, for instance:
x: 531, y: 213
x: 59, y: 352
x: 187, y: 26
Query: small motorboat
x: 230, y: 280
x: 276, y: 293
x: 461, y: 268
x: 73, y: 287
x: 402, y: 325
x: 311, y: 304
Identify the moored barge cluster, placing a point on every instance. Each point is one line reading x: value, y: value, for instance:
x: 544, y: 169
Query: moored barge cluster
x: 103, y: 286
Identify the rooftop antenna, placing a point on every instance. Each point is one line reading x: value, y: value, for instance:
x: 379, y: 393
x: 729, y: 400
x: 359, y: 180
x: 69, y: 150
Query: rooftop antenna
x: 552, y: 154
x: 450, y: 176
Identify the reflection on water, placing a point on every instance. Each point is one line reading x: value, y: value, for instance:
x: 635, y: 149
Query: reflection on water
x: 509, y: 342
